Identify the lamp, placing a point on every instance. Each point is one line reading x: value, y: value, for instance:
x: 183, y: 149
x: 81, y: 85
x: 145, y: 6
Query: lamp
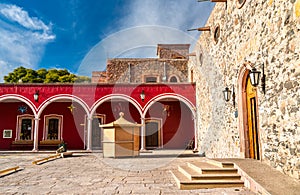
x: 167, y: 109
x: 227, y: 94
x: 142, y: 95
x: 36, y: 95
x: 254, y: 77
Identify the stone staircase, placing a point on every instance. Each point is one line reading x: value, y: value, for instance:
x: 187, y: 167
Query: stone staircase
x: 208, y: 174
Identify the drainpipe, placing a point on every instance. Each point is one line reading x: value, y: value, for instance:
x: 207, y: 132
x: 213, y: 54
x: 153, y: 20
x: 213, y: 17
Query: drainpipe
x: 165, y: 73
x: 129, y: 72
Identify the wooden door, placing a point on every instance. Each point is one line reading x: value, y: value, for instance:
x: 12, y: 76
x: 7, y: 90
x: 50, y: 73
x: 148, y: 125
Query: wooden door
x: 97, y: 133
x: 152, y: 134
x: 253, y: 138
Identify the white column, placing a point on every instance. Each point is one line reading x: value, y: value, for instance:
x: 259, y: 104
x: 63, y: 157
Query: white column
x: 36, y: 133
x: 143, y: 135
x: 89, y: 134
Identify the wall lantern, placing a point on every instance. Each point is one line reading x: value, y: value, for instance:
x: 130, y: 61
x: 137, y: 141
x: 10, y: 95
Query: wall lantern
x: 142, y: 95
x: 227, y: 94
x: 254, y: 77
x: 36, y: 95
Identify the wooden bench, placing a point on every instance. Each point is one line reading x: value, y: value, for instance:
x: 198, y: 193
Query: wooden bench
x: 49, y: 144
x: 22, y: 145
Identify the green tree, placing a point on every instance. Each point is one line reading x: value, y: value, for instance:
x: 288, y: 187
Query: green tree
x: 52, y: 76
x: 25, y: 75
x: 42, y: 73
x: 82, y: 79
x: 16, y: 76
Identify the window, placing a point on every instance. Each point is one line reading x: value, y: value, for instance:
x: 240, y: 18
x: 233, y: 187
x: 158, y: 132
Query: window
x: 25, y: 127
x: 151, y: 79
x: 53, y: 130
x: 217, y: 34
x: 173, y: 79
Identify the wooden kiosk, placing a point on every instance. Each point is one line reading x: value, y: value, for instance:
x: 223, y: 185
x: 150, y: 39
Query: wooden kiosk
x: 120, y: 138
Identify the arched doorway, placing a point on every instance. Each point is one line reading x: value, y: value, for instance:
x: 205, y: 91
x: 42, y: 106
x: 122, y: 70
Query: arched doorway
x: 107, y: 110
x: 16, y: 122
x: 169, y: 123
x: 252, y: 130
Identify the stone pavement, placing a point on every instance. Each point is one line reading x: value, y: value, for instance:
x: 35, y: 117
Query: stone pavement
x: 89, y: 173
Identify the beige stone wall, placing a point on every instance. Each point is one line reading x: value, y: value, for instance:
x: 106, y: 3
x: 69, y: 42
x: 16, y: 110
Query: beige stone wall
x: 173, y: 51
x: 260, y: 32
x: 118, y: 70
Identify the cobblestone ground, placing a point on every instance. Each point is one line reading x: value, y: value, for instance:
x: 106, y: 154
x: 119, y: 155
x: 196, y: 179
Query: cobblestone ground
x: 92, y: 174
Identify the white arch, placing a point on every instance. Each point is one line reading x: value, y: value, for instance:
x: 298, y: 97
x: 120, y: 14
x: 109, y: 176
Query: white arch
x: 181, y: 98
x: 20, y: 98
x: 117, y: 96
x: 61, y: 97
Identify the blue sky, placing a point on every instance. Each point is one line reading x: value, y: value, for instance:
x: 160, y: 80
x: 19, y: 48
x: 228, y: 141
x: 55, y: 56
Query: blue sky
x: 81, y: 34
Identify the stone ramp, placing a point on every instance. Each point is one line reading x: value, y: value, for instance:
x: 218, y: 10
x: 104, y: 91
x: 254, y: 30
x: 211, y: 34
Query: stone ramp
x: 209, y: 174
x: 261, y: 178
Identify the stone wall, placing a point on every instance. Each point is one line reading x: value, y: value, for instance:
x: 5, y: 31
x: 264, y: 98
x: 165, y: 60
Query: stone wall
x: 173, y: 51
x: 259, y: 32
x: 135, y: 70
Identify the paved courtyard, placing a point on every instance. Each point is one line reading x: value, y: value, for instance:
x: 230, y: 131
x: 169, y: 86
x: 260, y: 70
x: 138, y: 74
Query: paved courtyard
x: 86, y: 173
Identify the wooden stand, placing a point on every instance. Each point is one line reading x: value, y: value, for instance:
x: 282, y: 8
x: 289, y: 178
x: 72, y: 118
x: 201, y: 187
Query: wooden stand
x: 120, y: 138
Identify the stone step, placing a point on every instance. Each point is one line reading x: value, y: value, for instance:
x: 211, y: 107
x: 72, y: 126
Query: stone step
x: 220, y: 164
x: 192, y: 174
x: 184, y: 183
x: 206, y: 168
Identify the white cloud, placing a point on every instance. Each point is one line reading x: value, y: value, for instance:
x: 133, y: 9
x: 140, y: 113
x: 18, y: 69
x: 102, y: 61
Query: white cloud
x: 144, y: 25
x: 179, y: 14
x: 18, y: 15
x: 23, y: 39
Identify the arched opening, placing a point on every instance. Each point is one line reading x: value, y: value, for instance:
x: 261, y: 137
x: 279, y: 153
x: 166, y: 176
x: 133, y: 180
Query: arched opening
x: 16, y: 123
x: 62, y: 119
x: 177, y: 124
x: 107, y: 111
x: 173, y: 79
x: 249, y: 132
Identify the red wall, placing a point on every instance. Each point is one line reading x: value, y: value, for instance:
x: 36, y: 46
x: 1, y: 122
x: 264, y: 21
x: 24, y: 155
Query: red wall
x: 178, y: 127
x: 113, y: 109
x: 8, y: 120
x: 73, y: 132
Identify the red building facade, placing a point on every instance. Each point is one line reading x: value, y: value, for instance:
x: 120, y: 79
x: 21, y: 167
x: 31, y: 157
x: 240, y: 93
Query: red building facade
x: 36, y: 117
